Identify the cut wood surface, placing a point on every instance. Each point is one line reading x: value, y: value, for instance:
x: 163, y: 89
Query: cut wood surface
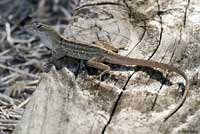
x: 137, y: 100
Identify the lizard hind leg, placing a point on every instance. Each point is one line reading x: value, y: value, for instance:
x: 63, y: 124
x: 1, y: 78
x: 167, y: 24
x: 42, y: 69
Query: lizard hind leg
x: 98, y: 64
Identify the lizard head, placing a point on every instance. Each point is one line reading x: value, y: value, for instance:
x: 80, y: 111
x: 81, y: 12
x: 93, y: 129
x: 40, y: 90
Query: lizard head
x: 46, y: 33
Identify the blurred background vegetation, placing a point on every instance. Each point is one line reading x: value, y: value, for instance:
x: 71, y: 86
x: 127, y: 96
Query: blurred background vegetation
x: 21, y: 54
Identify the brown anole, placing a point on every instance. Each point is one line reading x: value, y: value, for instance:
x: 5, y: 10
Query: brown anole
x: 96, y: 55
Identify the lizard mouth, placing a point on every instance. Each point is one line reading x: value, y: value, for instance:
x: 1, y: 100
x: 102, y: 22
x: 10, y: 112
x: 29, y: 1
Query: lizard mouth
x: 32, y: 30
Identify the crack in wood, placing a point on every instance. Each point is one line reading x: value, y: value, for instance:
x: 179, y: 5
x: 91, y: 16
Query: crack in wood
x: 116, y: 103
x: 112, y: 112
x: 156, y: 97
x: 159, y: 43
x: 129, y: 9
x: 185, y: 13
x: 142, y: 37
x: 161, y: 31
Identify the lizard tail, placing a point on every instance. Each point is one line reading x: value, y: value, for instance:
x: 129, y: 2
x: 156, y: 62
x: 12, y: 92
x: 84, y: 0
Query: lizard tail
x: 122, y: 60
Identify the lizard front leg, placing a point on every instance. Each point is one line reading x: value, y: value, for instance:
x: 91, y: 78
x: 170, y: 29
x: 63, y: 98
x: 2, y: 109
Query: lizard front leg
x: 98, y: 64
x: 56, y: 54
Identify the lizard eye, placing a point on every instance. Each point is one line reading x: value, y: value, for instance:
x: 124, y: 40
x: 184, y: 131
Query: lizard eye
x: 39, y: 26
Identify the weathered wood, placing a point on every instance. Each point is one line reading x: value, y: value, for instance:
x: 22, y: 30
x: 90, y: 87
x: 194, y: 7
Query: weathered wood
x: 59, y: 105
x: 166, y: 31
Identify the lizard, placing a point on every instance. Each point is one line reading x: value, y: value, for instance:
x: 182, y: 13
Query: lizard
x: 96, y: 56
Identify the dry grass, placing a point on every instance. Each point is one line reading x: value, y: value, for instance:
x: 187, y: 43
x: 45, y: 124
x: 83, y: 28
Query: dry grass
x: 22, y: 56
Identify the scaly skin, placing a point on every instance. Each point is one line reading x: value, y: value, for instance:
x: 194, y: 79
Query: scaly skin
x: 96, y: 55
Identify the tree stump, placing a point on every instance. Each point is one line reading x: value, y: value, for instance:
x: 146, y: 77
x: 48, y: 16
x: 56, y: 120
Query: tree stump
x: 138, y: 100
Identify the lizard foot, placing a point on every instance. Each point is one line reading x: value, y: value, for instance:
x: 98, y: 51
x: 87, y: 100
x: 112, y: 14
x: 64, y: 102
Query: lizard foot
x: 95, y: 80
